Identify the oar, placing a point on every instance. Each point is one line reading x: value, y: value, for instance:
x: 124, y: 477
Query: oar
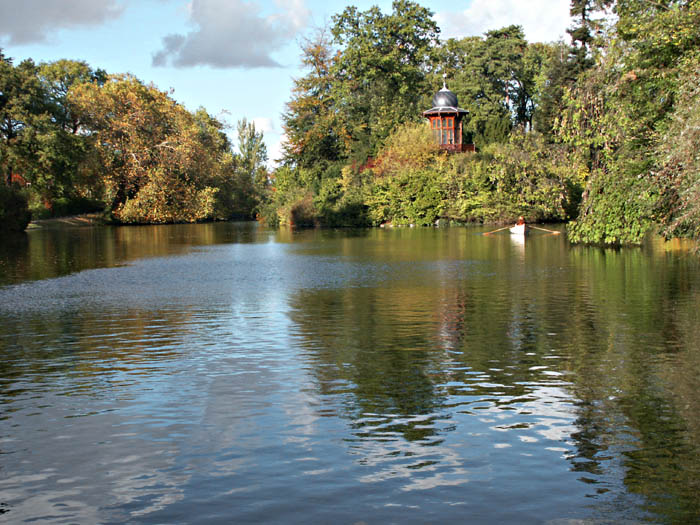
x: 545, y: 230
x: 498, y: 230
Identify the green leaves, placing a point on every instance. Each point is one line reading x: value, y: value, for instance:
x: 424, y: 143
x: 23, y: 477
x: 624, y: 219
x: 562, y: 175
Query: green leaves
x: 252, y: 150
x: 495, y: 80
x: 615, y: 111
x: 80, y: 137
x: 161, y: 163
x: 679, y: 159
x: 314, y: 132
x: 379, y: 76
x: 633, y: 119
x: 525, y: 176
x: 616, y: 210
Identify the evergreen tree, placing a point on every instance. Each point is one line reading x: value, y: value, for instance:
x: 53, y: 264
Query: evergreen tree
x: 313, y: 133
x: 584, y: 32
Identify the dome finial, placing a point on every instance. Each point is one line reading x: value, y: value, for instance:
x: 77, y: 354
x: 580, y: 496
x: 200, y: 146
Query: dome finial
x: 444, y: 81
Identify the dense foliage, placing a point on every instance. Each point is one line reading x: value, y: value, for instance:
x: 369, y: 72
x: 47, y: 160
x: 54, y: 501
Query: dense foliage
x: 629, y: 112
x: 14, y: 210
x: 78, y: 140
x: 601, y: 131
x: 357, y: 153
x: 678, y: 178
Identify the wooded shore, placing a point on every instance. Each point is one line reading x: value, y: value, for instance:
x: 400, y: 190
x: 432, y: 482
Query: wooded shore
x: 600, y: 132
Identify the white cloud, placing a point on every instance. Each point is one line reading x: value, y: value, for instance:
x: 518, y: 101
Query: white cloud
x: 542, y: 20
x: 275, y: 151
x: 232, y: 33
x: 263, y: 124
x: 294, y: 11
x: 28, y: 21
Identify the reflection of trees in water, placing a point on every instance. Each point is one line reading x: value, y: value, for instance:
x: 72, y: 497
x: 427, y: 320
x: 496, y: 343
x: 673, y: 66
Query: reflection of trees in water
x: 47, y: 253
x: 90, y: 348
x: 601, y: 359
x: 408, y: 362
x: 378, y: 353
x: 624, y: 333
x: 384, y: 356
x: 632, y: 340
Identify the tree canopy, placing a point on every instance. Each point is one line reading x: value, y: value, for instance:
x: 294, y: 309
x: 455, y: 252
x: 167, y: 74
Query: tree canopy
x: 73, y: 138
x: 611, y: 112
x: 600, y: 131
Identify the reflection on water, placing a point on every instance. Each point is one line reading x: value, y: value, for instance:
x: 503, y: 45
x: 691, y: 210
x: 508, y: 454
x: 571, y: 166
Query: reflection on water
x: 223, y: 372
x: 42, y: 254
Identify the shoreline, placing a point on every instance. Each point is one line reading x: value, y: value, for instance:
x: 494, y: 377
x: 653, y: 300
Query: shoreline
x: 85, y: 219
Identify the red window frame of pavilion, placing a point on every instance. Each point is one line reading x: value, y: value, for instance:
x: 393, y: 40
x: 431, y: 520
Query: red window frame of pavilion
x: 444, y: 130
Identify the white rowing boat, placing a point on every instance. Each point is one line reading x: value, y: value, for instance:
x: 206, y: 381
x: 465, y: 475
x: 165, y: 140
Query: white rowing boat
x: 519, y: 229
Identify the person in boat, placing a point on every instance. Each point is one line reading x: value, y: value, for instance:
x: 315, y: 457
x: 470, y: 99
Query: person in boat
x: 519, y: 228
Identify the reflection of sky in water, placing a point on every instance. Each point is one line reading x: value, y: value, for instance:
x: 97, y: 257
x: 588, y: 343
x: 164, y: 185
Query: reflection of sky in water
x: 303, y: 383
x: 461, y: 452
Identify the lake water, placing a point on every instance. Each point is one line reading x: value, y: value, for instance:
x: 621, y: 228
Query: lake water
x: 228, y: 373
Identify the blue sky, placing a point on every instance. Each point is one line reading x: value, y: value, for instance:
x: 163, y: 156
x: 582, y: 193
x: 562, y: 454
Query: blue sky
x: 236, y: 58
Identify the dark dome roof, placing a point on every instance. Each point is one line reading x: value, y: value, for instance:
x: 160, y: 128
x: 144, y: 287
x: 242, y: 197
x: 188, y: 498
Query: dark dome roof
x: 445, y: 99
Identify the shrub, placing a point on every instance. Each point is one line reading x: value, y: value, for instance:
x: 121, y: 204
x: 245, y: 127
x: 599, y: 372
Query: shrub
x: 14, y: 210
x: 410, y: 147
x: 525, y: 176
x: 302, y: 213
x: 410, y: 197
x: 339, y: 205
x: 75, y: 206
x: 166, y: 199
x: 616, y: 210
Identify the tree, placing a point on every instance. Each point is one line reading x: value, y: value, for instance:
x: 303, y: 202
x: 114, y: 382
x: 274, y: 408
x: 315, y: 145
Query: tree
x: 495, y: 80
x: 21, y: 102
x: 236, y: 196
x: 57, y: 78
x: 583, y: 33
x: 563, y: 64
x: 252, y: 150
x: 62, y: 151
x: 553, y: 79
x: 249, y: 170
x: 39, y: 129
x: 379, y: 75
x: 156, y: 167
x: 313, y: 134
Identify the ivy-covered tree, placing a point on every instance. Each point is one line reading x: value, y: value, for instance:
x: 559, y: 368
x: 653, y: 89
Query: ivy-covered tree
x: 618, y: 110
x: 679, y: 176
